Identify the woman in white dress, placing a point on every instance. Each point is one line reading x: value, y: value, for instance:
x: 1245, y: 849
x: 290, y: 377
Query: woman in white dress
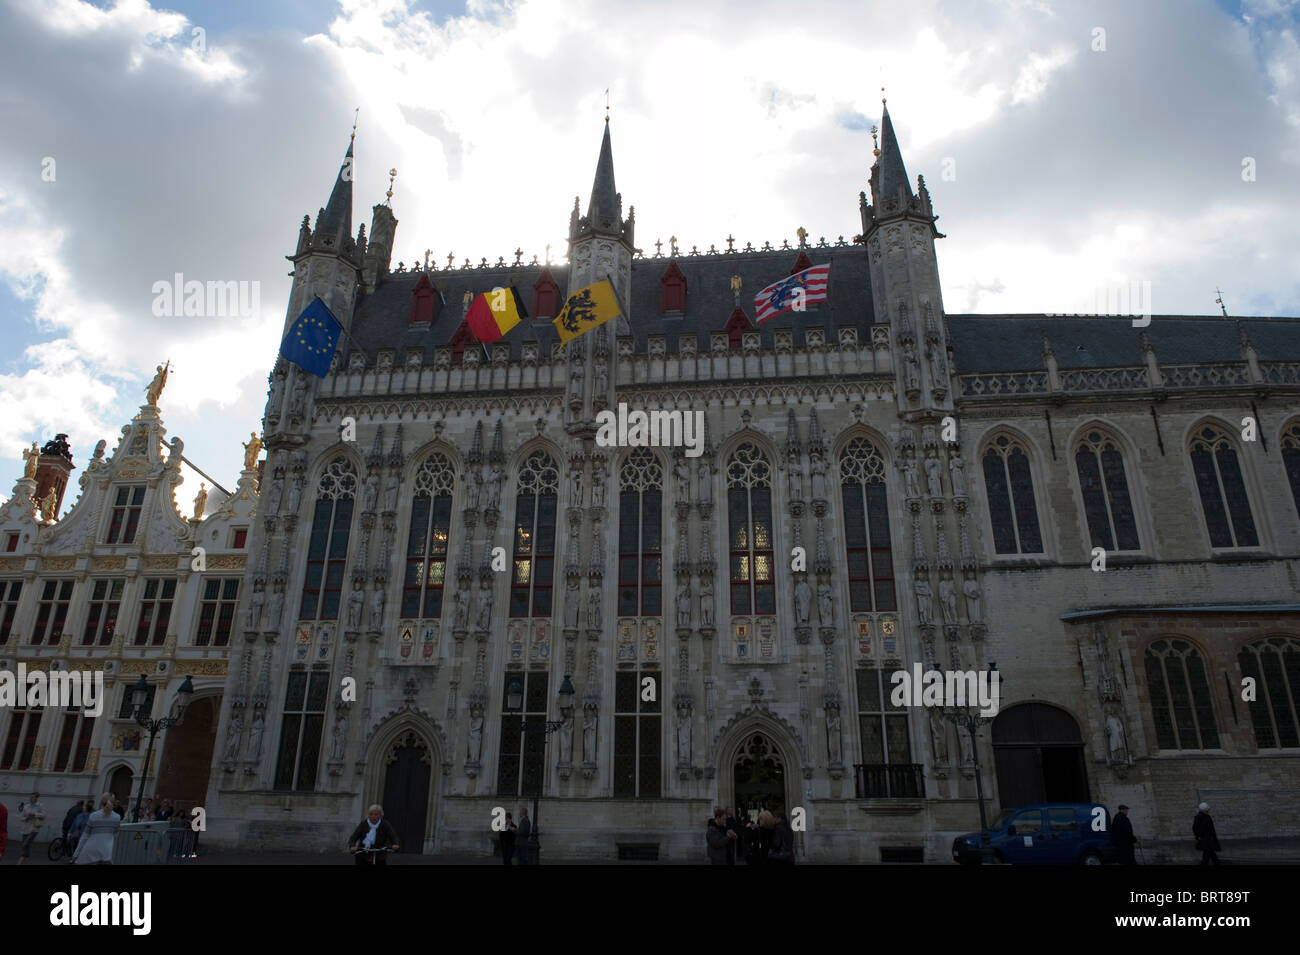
x: 96, y: 845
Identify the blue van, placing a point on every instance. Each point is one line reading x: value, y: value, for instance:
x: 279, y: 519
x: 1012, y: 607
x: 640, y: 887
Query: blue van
x: 1045, y: 833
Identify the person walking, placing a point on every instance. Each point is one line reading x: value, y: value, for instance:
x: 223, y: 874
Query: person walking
x: 508, y: 840
x: 733, y: 832
x: 1122, y: 838
x: 523, y: 848
x: 70, y: 817
x: 718, y: 837
x: 32, y: 813
x: 95, y: 847
x: 1207, y: 840
x: 79, y: 825
x: 781, y: 850
x: 373, y: 832
x: 766, y: 822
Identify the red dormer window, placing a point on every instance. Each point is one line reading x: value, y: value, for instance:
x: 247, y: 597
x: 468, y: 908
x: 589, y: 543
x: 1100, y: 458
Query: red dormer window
x: 460, y: 341
x: 546, y: 296
x: 11, y: 543
x: 801, y: 263
x: 736, y: 327
x: 674, y: 289
x: 422, y: 302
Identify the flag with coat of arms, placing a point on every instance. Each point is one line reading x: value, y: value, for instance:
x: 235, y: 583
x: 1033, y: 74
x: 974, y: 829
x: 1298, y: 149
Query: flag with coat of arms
x: 792, y: 294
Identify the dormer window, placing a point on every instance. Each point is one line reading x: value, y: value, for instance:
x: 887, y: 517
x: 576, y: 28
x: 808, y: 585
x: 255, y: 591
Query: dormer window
x: 546, y: 296
x: 736, y: 327
x: 801, y: 263
x: 673, y: 290
x: 459, y: 341
x: 126, y: 514
x: 422, y: 302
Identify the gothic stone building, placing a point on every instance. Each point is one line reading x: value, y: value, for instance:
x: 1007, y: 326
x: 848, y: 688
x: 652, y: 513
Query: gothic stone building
x: 721, y: 629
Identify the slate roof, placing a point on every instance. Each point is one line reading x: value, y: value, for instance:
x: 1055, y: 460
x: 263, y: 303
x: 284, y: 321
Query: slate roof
x: 381, y: 318
x: 992, y: 343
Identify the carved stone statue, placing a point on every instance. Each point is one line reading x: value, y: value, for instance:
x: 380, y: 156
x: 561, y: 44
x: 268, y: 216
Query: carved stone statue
x: 684, y: 734
x: 682, y: 471
x: 155, y: 389
x: 473, y: 480
x: 475, y: 736
x: 255, y: 733
x: 356, y: 603
x: 461, y: 617
x: 370, y: 493
x: 252, y: 448
x: 571, y: 604
x: 972, y: 592
x: 602, y: 379
x: 275, y: 608
x: 911, y: 373
x: 923, y: 593
x: 934, y: 476
x: 233, y: 732
x: 484, y: 619
x: 833, y: 733
x: 494, y: 488
x: 684, y: 604
x: 1116, y: 738
x: 939, y: 738
x: 706, y: 482
x: 31, y: 459
x: 377, y: 607
x: 298, y: 403
x: 566, y: 740
x: 575, y: 488
x: 597, y: 487
x: 947, y: 600
x: 255, y: 601
x: 277, y: 396
x: 295, y: 495
x: 593, y: 606
x: 47, y: 504
x: 796, y: 478
x: 818, y: 478
x: 825, y: 605
x: 390, y: 494
x: 200, y: 501
x: 706, y: 602
x: 100, y: 445
x: 340, y: 737
x: 958, y: 468
x: 273, y: 495
x: 802, y: 602
x: 938, y: 373
x: 589, y: 736
x: 910, y: 481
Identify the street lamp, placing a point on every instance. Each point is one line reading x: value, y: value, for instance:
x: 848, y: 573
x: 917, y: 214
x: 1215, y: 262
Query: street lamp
x: 140, y: 693
x: 542, y: 728
x: 969, y: 719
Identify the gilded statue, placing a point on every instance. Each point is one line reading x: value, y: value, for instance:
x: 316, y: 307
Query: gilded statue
x: 154, y: 391
x: 31, y: 458
x: 200, y: 501
x: 47, y: 505
x: 252, y: 448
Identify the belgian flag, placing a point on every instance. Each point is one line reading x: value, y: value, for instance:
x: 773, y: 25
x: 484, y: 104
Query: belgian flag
x: 494, y: 313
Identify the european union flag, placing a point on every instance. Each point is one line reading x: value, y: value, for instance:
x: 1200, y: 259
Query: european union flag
x: 312, y: 339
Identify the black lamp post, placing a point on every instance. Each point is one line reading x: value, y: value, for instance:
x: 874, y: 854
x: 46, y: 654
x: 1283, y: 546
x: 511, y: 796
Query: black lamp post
x: 140, y: 693
x: 542, y: 728
x: 969, y: 719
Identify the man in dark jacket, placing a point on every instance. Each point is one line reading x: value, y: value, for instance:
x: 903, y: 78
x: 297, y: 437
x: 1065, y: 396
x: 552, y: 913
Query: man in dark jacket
x: 374, y: 832
x: 71, y: 817
x: 508, y: 840
x: 524, y: 850
x: 1122, y: 838
x: 1207, y: 840
x: 718, y: 837
x: 733, y: 826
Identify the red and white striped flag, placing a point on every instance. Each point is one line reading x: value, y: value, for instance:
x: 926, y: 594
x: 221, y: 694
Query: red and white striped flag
x: 793, y: 294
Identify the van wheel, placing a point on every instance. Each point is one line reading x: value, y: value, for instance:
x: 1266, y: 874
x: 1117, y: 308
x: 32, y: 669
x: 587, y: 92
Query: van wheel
x: 1091, y: 858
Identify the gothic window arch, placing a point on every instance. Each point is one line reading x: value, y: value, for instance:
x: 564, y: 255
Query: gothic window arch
x: 423, y: 299
x: 736, y: 327
x: 426, y: 546
x: 749, y: 517
x: 1274, y: 664
x: 672, y: 289
x: 1222, y: 487
x: 1180, y: 696
x: 1291, y: 459
x: 327, y: 548
x: 533, y: 573
x: 1009, y: 485
x: 546, y: 296
x: 1099, y: 462
x: 866, y: 527
x: 461, y: 339
x: 640, y: 534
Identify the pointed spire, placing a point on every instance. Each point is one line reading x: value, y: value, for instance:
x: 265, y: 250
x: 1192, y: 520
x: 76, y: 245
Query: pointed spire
x: 336, y: 218
x: 605, y: 209
x: 476, y: 446
x: 792, y: 446
x: 892, y: 175
x: 498, y: 454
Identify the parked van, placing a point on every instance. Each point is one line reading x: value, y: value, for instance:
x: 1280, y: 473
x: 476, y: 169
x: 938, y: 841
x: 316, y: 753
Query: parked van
x: 1045, y: 833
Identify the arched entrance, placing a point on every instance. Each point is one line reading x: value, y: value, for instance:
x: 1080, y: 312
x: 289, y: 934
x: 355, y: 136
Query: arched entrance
x: 119, y: 784
x: 407, y: 782
x: 187, y: 758
x: 758, y: 774
x: 1038, y: 752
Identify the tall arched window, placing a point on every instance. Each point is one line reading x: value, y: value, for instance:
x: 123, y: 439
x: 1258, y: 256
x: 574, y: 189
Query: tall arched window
x: 426, y: 546
x: 1291, y: 459
x: 866, y: 527
x: 1180, y: 696
x: 1106, y: 502
x: 327, y: 551
x: 749, y: 514
x: 640, y: 532
x: 1274, y: 664
x: 1010, y: 488
x: 534, y: 567
x: 1223, y: 490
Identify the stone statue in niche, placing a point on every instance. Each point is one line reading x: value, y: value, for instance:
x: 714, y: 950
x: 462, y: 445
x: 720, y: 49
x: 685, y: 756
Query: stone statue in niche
x: 370, y: 493
x: 818, y: 478
x: 684, y: 604
x: 566, y: 740
x: 825, y: 605
x: 390, y: 494
x: 473, y: 481
x: 377, y: 607
x: 911, y: 371
x: 682, y: 471
x: 484, y: 607
x: 923, y: 593
x: 597, y: 487
x: 939, y: 738
x: 833, y: 733
x: 947, y: 600
x: 575, y: 383
x: 684, y: 733
x: 706, y: 482
x: 910, y: 480
x: 571, y: 604
x: 958, y: 468
x: 340, y: 737
x: 589, y: 736
x: 233, y: 732
x: 255, y: 601
x: 275, y: 608
x: 706, y: 602
x: 475, y: 735
x: 796, y: 478
x: 356, y: 603
x: 494, y: 488
x: 273, y: 495
x: 938, y: 373
x: 295, y: 495
x: 255, y: 733
x: 461, y: 609
x: 277, y: 395
x: 298, y: 403
x: 575, y: 488
x: 972, y: 591
x: 934, y: 476
x: 593, y: 606
x: 802, y: 601
x: 602, y: 378
x: 1116, y: 739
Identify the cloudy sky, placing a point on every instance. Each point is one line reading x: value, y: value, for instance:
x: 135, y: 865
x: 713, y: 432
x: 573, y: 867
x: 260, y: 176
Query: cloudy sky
x: 1067, y: 147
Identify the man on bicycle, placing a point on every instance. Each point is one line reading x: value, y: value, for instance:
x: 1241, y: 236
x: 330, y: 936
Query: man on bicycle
x: 369, y: 839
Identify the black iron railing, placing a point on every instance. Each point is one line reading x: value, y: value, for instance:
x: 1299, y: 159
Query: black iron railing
x: 881, y: 781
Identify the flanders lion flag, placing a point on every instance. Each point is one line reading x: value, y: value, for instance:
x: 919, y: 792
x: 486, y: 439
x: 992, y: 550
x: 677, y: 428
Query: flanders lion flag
x: 586, y: 309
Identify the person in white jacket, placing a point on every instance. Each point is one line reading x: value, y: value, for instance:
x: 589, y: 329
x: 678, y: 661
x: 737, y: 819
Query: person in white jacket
x: 96, y: 845
x: 33, y: 817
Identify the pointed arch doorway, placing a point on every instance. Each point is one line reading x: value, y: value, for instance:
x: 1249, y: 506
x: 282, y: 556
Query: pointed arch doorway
x: 406, y: 787
x: 759, y: 777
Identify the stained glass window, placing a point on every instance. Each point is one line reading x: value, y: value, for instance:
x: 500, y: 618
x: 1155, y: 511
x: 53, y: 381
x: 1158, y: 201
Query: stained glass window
x: 640, y: 523
x: 1222, y: 490
x: 1274, y: 665
x: 1010, y: 488
x: 509, y: 780
x: 1291, y: 460
x: 327, y: 549
x: 749, y: 515
x: 534, y: 561
x: 866, y: 527
x: 426, y: 548
x: 637, y: 738
x: 306, y: 697
x: 1180, y: 696
x: 1106, y: 502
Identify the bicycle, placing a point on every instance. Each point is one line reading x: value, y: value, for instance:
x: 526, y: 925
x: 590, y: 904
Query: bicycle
x: 62, y: 847
x: 372, y: 854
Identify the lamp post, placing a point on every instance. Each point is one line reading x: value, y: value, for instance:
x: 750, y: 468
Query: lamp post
x: 139, y: 693
x: 542, y: 728
x: 968, y: 718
